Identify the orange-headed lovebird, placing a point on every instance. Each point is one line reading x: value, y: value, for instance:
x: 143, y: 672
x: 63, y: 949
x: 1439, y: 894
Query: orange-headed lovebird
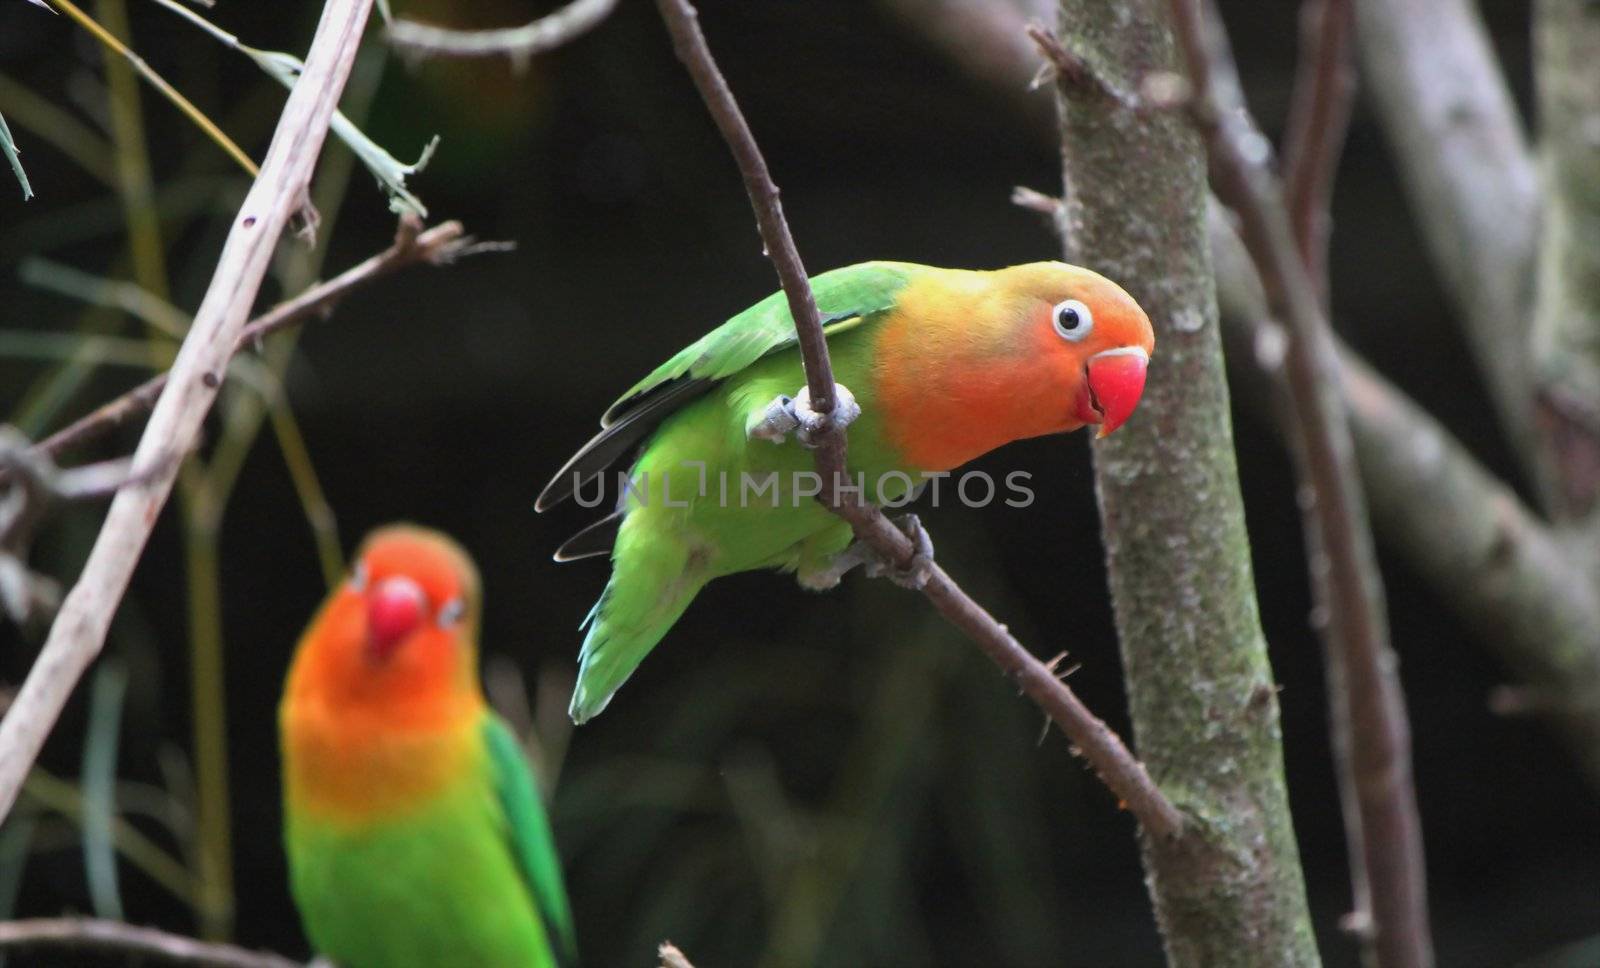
x: 415, y: 832
x: 944, y: 365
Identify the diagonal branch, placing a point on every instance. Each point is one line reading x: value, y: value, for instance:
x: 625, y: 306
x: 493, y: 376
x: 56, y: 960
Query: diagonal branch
x: 131, y: 941
x: 1371, y: 734
x: 80, y: 629
x: 1104, y: 750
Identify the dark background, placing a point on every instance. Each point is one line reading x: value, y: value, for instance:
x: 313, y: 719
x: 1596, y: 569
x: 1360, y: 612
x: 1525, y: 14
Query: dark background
x: 789, y: 778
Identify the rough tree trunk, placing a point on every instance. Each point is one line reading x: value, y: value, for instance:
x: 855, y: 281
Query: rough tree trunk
x: 1229, y: 892
x: 1566, y: 319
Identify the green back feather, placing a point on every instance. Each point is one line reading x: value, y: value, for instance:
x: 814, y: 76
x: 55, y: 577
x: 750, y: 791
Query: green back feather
x: 532, y: 843
x: 767, y: 327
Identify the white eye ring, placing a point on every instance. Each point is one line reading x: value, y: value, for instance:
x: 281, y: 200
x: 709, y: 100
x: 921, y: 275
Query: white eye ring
x: 358, y: 576
x: 1073, y: 320
x: 450, y: 612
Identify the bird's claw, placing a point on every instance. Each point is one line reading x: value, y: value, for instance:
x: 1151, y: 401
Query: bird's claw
x: 915, y: 573
x: 786, y: 414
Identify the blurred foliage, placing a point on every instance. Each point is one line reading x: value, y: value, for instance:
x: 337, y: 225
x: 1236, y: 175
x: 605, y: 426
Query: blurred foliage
x: 790, y: 779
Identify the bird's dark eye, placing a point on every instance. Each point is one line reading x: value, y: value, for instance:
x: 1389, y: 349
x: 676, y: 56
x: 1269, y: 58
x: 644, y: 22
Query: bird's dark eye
x: 1072, y: 320
x: 450, y: 612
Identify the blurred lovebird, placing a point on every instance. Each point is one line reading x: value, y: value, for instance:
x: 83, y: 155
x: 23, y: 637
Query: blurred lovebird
x: 415, y: 832
x: 947, y: 364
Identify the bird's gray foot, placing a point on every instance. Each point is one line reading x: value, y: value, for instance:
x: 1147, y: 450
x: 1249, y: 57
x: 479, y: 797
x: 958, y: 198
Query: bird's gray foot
x: 915, y: 573
x: 786, y: 414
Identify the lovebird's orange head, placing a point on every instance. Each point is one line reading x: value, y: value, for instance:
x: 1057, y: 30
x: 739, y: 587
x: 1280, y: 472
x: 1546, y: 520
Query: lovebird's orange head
x: 397, y: 638
x: 971, y: 361
x: 1092, y: 341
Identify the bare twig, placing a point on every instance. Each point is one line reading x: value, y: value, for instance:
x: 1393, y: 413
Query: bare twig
x: 80, y: 628
x: 1324, y: 88
x: 1371, y: 733
x: 1104, y: 750
x: 436, y: 246
x: 519, y: 44
x: 115, y: 937
x: 36, y: 485
x: 1071, y: 69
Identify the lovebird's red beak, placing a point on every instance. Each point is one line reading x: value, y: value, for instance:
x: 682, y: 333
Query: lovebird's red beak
x: 396, y: 607
x: 1116, y: 381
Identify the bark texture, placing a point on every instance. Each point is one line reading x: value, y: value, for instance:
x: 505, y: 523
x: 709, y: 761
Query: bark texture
x: 1229, y: 891
x: 1566, y: 320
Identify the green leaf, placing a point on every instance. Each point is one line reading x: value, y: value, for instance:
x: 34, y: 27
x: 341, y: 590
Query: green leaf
x: 390, y: 171
x: 10, y: 148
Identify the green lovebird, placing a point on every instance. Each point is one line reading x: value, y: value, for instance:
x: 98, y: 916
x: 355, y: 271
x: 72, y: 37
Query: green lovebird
x: 414, y: 830
x: 944, y: 365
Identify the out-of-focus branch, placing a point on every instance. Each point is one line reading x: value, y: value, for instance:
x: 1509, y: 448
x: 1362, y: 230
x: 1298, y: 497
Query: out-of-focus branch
x: 1502, y: 571
x: 518, y: 44
x: 116, y: 938
x: 671, y: 957
x: 1200, y: 688
x: 1324, y: 88
x: 1566, y: 317
x: 35, y: 485
x: 1461, y: 152
x: 1371, y: 734
x: 1319, y: 117
x: 80, y: 628
x: 436, y: 246
x: 1104, y: 750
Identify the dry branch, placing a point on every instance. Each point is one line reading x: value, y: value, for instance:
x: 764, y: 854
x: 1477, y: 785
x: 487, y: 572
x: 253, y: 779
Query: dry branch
x: 80, y: 628
x: 435, y: 246
x: 1102, y: 748
x: 115, y: 937
x: 1371, y: 735
x: 419, y: 40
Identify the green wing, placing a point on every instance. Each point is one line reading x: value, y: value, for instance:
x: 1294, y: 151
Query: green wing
x: 845, y: 297
x: 532, y: 844
x: 767, y: 326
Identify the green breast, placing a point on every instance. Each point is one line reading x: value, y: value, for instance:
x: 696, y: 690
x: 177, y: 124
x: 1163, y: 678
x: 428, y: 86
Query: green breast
x: 438, y: 887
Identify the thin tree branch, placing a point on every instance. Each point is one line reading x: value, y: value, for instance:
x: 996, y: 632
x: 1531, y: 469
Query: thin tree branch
x: 1069, y: 68
x: 1112, y: 760
x: 1371, y: 735
x: 115, y: 937
x: 1454, y: 128
x: 519, y: 44
x: 80, y: 627
x: 436, y: 246
x: 1319, y: 116
x: 1324, y: 89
